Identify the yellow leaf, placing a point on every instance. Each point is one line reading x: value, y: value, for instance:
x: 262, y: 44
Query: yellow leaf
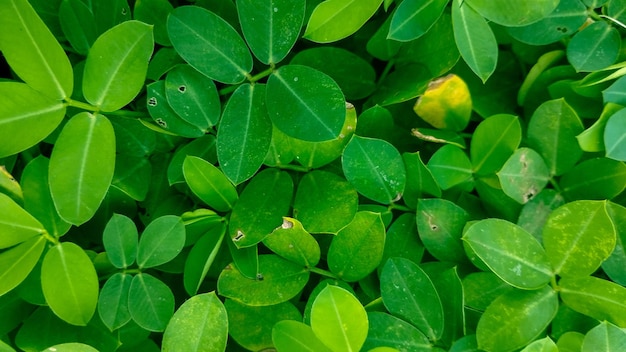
x: 446, y: 104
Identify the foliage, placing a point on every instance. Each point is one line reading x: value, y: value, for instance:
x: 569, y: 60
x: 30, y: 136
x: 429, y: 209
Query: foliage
x: 338, y: 175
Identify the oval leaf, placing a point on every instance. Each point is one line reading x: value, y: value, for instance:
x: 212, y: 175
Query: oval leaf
x: 161, y: 241
x: 615, y: 137
x: 515, y: 12
x: 16, y: 224
x: 290, y: 335
x: 333, y: 20
x: 595, y: 47
x: 209, y: 183
x: 17, y: 262
x: 150, y: 302
x: 524, y: 175
x: 292, y: 242
x: 120, y: 241
x: 413, y: 18
x: 595, y: 297
x: 493, y: 142
x: 163, y: 114
x: 113, y: 301
x: 440, y: 226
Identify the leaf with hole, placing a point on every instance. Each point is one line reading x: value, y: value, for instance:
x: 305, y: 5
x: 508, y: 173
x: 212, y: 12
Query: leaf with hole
x: 292, y: 242
x: 165, y: 117
x: 594, y: 48
x: 290, y: 335
x: 604, y: 337
x: 201, y: 257
x: 78, y: 24
x: 17, y: 262
x: 440, y: 226
x: 615, y: 137
x: 524, y: 175
x: 450, y: 167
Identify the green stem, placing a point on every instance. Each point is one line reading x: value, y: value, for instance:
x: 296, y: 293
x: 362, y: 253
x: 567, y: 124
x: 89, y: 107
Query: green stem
x: 128, y: 113
x: 323, y: 273
x: 228, y: 90
x: 50, y: 238
x: 293, y: 167
x: 385, y: 72
x: 260, y: 75
x: 395, y: 206
x: 555, y: 185
x: 81, y: 105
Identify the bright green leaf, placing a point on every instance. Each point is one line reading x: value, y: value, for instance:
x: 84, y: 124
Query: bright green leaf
x: 290, y: 335
x: 595, y: 47
x: 17, y: 262
x: 113, y: 301
x: 604, y: 337
x: 524, y: 175
x: 595, y: 297
x: 615, y: 136
x: 161, y: 241
x: 450, y: 166
x: 292, y: 242
x: 209, y: 183
x: 597, y: 178
x: 493, y: 142
x: 120, y: 238
x: 150, y: 302
x: 201, y: 257
x: 543, y: 345
x: 440, y: 226
x: 513, y: 13
x: 413, y: 18
x: 387, y: 330
x: 333, y: 20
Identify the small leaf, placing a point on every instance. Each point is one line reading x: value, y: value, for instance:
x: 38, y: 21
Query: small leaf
x: 440, y: 226
x: 117, y: 64
x: 514, y: 13
x: 357, y: 249
x: 387, y: 330
x: 245, y: 133
x: 615, y: 137
x: 475, y: 39
x: 597, y: 178
x: 493, y: 142
x: 209, y: 44
x: 120, y: 241
x: 271, y: 27
x: 413, y: 18
x: 292, y: 242
x: 113, y: 301
x: 510, y: 252
x: 595, y: 297
x: 81, y: 166
x: 165, y: 117
x: 333, y: 20
x: 154, y: 12
x: 17, y: 262
x: 524, y: 175
x: 277, y: 281
x: 33, y: 52
x: 201, y: 257
x: 594, y: 48
x: 446, y: 104
x: 209, y: 183
x: 161, y: 241
x: 78, y: 24
x: 199, y: 324
x: 150, y: 302
x: 450, y: 166
x: 339, y: 320
x: 70, y: 283
x: 16, y: 224
x: 604, y: 337
x: 578, y: 237
x: 290, y: 335
x: 516, y: 318
x: 375, y: 168
x: 305, y: 103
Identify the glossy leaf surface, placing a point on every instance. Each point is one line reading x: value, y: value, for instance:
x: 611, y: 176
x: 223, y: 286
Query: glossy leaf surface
x: 597, y: 178
x: 446, y: 104
x: 161, y: 241
x: 150, y: 302
x: 166, y: 118
x: 209, y: 183
x: 16, y: 224
x: 292, y: 242
x: 387, y: 330
x: 615, y: 137
x: 336, y: 19
x: 413, y: 18
x: 595, y: 297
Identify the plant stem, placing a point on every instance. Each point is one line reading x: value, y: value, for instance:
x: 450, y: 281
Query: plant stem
x: 128, y: 113
x: 323, y: 273
x: 293, y: 167
x: 50, y: 238
x: 262, y: 74
x: 395, y: 206
x: 81, y: 105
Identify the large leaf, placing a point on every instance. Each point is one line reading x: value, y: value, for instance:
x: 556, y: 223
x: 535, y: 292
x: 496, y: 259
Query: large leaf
x: 387, y: 330
x: 17, y: 262
x: 413, y: 18
x: 271, y: 27
x: 597, y: 178
x: 200, y: 324
x: 209, y: 44
x: 595, y: 47
x: 163, y: 114
x: 305, y: 103
x: 120, y: 239
x: 150, y: 302
x: 70, y: 283
x: 16, y: 224
x: 26, y: 117
x: 446, y: 104
x: 209, y: 183
x: 402, y: 239
x: 245, y: 133
x: 117, y: 65
x: 513, y: 13
x: 81, y: 166
x: 595, y: 297
x: 161, y: 241
x: 33, y: 52
x: 333, y: 20
x: 493, y: 142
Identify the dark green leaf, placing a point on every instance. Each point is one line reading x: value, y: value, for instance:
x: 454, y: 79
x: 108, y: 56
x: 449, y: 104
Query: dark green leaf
x: 150, y: 302
x: 594, y: 48
x: 336, y: 19
x: 450, y: 166
x: 154, y: 12
x: 132, y: 138
x: 413, y: 18
x: 493, y: 142
x: 18, y: 261
x: 402, y: 240
x: 595, y: 297
x: 514, y: 13
x: 120, y: 241
x: 524, y: 175
x: 161, y: 241
x: 481, y: 288
x: 78, y: 25
x: 201, y: 257
x: 209, y: 183
x: 387, y: 330
x: 166, y: 118
x: 535, y: 213
x: 614, y: 264
x: 597, y: 178
x: 130, y: 175
x: 203, y: 147
x: 113, y: 301
x: 292, y: 242
x: 404, y: 84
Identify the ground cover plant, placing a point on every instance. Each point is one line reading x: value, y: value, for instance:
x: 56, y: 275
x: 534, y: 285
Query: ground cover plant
x: 291, y: 175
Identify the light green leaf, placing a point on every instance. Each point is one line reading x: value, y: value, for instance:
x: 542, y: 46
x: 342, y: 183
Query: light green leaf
x: 615, y: 136
x: 413, y: 18
x: 16, y: 224
x: 475, y: 39
x: 387, y: 330
x: 594, y: 48
x: 604, y: 337
x: 150, y: 302
x: 81, y: 166
x: 113, y: 301
x: 209, y: 183
x: 117, y: 64
x: 597, y: 178
x: 209, y: 44
x: 199, y: 324
x: 440, y: 226
x: 277, y: 281
x: 513, y: 13
x: 510, y: 252
x: 161, y: 241
x: 524, y: 175
x: 305, y: 103
x: 290, y: 335
x: 201, y: 257
x: 154, y: 12
x: 166, y: 118
x: 271, y: 27
x: 493, y: 142
x: 17, y: 262
x: 578, y: 237
x: 26, y: 117
x: 245, y: 133
x: 375, y: 168
x: 339, y: 320
x: 292, y: 242
x: 357, y: 248
x: 71, y: 347
x: 516, y: 318
x: 78, y: 24
x: 120, y: 238
x: 333, y: 20
x: 70, y: 283
x: 33, y: 52
x: 450, y: 166
x: 543, y: 345
x: 595, y: 297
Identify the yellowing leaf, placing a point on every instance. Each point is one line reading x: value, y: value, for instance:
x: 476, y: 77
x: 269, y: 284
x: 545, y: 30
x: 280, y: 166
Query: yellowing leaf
x: 446, y: 104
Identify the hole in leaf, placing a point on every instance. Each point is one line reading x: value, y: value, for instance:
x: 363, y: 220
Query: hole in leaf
x: 123, y: 11
x: 239, y: 236
x: 152, y: 101
x: 182, y: 88
x: 161, y: 122
x: 287, y: 224
x: 259, y: 277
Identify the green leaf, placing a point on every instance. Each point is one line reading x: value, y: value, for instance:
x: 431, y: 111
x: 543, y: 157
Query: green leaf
x: 78, y: 25
x: 516, y: 318
x: 132, y: 138
x: 324, y: 202
x: 552, y: 132
x: 339, y: 320
x: 245, y: 133
x: 261, y: 207
x: 604, y: 337
x: 597, y: 178
x: 357, y: 248
x: 70, y: 283
x: 595, y: 297
x: 446, y: 279
x: 613, y: 265
x: 535, y: 213
x: 514, y: 13
x: 199, y: 324
x: 419, y: 180
x: 120, y: 238
x: 409, y: 294
x: 594, y: 48
x: 154, y: 12
x: 113, y: 301
x: 33, y: 52
x: 289, y: 335
x: 387, y: 330
x: 493, y: 142
x: 578, y: 237
x: 524, y: 175
x: 402, y: 240
x: 481, y: 288
x: 161, y: 241
x: 404, y: 84
x: 292, y: 242
x: 475, y: 39
x: 413, y: 18
x: 305, y: 103
x: 193, y: 96
x: 130, y: 175
x: 117, y: 65
x: 163, y: 114
x: 209, y: 183
x: 375, y: 168
x: 277, y: 281
x: 150, y: 302
x: 333, y: 20
x: 615, y: 136
x: 203, y: 147
x: 26, y: 117
x: 201, y: 257
x: 450, y: 167
x: 71, y: 347
x: 440, y: 226
x: 543, y: 345
x: 209, y: 44
x: 510, y: 252
x: 271, y: 27
x: 81, y: 166
x: 17, y: 262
